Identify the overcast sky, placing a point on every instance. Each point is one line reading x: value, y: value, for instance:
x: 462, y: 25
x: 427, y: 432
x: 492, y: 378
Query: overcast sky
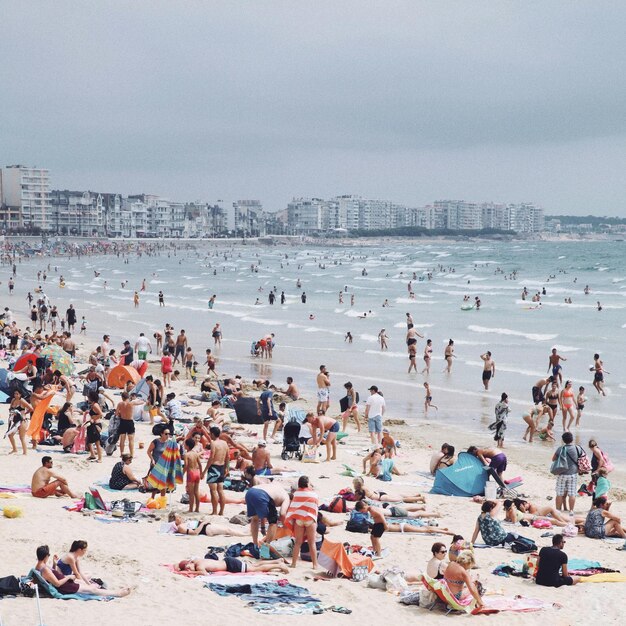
x: 409, y: 101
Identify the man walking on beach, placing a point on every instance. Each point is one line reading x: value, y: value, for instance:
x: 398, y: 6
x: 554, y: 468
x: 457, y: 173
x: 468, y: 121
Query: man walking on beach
x: 568, y: 473
x: 489, y: 369
x: 216, y: 470
x: 374, y: 411
x: 181, y: 346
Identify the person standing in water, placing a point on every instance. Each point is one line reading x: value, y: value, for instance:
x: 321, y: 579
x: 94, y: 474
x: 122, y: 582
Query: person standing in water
x: 448, y: 356
x: 489, y: 369
x: 382, y: 338
x: 554, y: 363
x: 598, y: 376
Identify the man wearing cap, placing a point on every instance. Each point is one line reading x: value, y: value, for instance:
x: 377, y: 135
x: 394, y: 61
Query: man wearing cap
x: 261, y: 460
x: 374, y: 411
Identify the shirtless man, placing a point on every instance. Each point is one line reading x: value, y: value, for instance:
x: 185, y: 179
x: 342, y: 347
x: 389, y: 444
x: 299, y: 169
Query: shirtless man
x: 539, y: 389
x: 554, y: 364
x: 261, y: 460
x: 269, y: 502
x: 216, y: 470
x: 240, y: 450
x: 489, y: 369
x: 599, y: 372
x: 323, y: 390
x: 124, y: 410
x: 231, y: 565
x: 68, y: 344
x: 292, y: 389
x: 46, y: 483
x: 409, y: 319
x: 320, y: 424
x: 412, y: 335
x: 180, y: 347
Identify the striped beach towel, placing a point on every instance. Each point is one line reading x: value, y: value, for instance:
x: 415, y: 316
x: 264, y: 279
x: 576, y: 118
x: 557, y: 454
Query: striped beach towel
x: 303, y: 507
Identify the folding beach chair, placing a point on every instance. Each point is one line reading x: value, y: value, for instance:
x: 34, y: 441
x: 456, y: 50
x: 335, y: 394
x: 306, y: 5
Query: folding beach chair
x: 505, y: 490
x: 439, y: 587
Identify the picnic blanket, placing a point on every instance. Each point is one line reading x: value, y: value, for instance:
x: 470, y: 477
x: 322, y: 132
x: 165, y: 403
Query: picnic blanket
x: 279, y: 597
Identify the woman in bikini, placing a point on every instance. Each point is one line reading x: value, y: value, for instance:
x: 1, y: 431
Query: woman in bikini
x: 544, y: 511
x: 352, y: 410
x: 457, y: 577
x: 382, y: 496
x: 552, y: 400
x: 448, y: 356
x: 428, y: 350
x: 566, y: 400
x: 19, y: 418
x: 94, y: 428
x: 204, y: 527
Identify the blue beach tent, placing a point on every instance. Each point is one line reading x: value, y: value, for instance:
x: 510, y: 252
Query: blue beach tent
x: 466, y: 478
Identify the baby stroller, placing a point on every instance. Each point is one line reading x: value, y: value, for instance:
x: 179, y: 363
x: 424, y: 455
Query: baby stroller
x: 292, y: 448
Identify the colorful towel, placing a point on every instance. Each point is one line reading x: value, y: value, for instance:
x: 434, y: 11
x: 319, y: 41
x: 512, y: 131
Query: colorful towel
x: 14, y: 488
x: 104, y: 484
x: 614, y: 577
x: 46, y: 589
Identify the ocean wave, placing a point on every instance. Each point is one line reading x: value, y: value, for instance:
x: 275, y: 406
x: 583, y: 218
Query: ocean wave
x: 510, y: 332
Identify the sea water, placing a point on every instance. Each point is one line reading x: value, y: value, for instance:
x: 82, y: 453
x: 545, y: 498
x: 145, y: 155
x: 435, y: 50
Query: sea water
x: 519, y: 336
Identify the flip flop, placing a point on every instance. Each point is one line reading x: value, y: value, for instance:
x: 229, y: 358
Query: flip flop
x: 341, y: 609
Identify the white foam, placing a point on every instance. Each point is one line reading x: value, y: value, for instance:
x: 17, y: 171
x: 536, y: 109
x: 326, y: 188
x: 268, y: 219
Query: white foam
x: 513, y: 333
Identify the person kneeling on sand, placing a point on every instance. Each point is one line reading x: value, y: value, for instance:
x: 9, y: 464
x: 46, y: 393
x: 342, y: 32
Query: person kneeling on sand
x: 46, y: 483
x: 231, y: 565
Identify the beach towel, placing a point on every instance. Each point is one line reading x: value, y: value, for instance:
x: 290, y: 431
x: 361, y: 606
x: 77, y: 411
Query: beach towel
x: 14, y: 488
x: 303, y: 507
x: 48, y: 590
x: 609, y: 577
x: 104, y: 484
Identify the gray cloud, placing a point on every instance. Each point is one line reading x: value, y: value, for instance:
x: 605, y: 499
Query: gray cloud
x: 410, y: 101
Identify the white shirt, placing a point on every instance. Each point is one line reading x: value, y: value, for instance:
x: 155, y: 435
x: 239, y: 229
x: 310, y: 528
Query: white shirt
x: 376, y: 404
x: 142, y: 344
x: 8, y: 314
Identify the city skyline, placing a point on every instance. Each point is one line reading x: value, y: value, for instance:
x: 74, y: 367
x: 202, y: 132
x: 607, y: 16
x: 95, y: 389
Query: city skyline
x: 408, y: 101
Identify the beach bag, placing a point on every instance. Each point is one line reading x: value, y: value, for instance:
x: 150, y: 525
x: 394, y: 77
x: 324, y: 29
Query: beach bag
x: 570, y: 531
x: 359, y: 573
x: 560, y: 465
x: 10, y: 586
x: 584, y: 466
x: 522, y: 545
x: 80, y: 441
x: 310, y: 455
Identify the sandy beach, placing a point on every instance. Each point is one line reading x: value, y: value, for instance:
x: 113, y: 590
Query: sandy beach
x: 132, y: 554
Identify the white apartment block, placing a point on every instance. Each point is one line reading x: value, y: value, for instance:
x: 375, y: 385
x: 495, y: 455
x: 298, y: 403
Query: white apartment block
x: 26, y: 190
x: 77, y: 213
x: 249, y: 218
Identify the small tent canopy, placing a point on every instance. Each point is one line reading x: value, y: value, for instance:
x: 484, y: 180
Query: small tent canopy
x: 466, y: 478
x: 247, y: 411
x: 121, y: 374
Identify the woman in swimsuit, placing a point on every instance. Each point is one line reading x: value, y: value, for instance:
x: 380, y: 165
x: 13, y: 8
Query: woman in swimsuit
x: 448, y: 356
x: 382, y: 496
x: 552, y: 400
x: 204, y: 527
x: 436, y: 566
x: 19, y: 417
x: 566, y: 399
x: 352, y: 410
x: 538, y: 512
x: 68, y: 584
x: 457, y: 576
x: 428, y: 350
x: 94, y: 428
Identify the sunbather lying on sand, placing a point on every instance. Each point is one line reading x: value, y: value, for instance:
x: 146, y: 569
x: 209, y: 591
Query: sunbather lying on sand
x: 230, y: 564
x: 382, y: 496
x: 179, y: 525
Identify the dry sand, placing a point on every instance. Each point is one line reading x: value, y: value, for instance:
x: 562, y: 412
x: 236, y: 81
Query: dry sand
x: 132, y: 554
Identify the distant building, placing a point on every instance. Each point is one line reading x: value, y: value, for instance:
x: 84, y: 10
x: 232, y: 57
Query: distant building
x: 25, y: 196
x: 249, y: 218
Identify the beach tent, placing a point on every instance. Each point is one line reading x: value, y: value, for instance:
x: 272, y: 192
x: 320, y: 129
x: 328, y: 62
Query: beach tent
x: 334, y: 559
x: 247, y: 411
x: 466, y: 478
x: 121, y: 374
x: 142, y: 389
x: 8, y: 384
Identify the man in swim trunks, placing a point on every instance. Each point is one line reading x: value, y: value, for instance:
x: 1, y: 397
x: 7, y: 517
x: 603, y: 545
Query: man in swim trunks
x: 554, y: 363
x: 266, y: 410
x: 489, y: 369
x: 379, y: 525
x: 412, y: 335
x: 323, y: 390
x: 269, y: 502
x: 216, y: 470
x: 180, y: 347
x: 46, y: 483
x: 124, y: 410
x: 493, y: 459
x: 320, y: 425
x: 539, y: 389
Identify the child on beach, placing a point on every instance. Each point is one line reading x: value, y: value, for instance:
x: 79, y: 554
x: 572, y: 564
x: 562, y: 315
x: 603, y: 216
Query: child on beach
x: 83, y: 326
x: 193, y: 471
x: 428, y: 399
x: 175, y: 376
x: 189, y: 360
x: 194, y: 372
x: 580, y: 404
x: 166, y: 369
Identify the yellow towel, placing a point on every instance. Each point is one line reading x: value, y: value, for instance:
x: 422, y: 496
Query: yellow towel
x: 609, y: 577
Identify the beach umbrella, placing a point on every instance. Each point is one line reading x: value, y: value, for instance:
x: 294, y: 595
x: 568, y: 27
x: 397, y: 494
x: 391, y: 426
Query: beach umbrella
x: 168, y: 471
x: 59, y: 359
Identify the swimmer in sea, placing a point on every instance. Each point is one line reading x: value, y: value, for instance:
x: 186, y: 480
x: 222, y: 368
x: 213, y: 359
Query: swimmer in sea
x: 428, y: 399
x: 382, y: 339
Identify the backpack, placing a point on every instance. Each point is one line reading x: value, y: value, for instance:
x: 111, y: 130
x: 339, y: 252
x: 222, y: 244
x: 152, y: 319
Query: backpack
x: 522, y: 545
x: 337, y: 505
x: 560, y: 465
x: 358, y: 523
